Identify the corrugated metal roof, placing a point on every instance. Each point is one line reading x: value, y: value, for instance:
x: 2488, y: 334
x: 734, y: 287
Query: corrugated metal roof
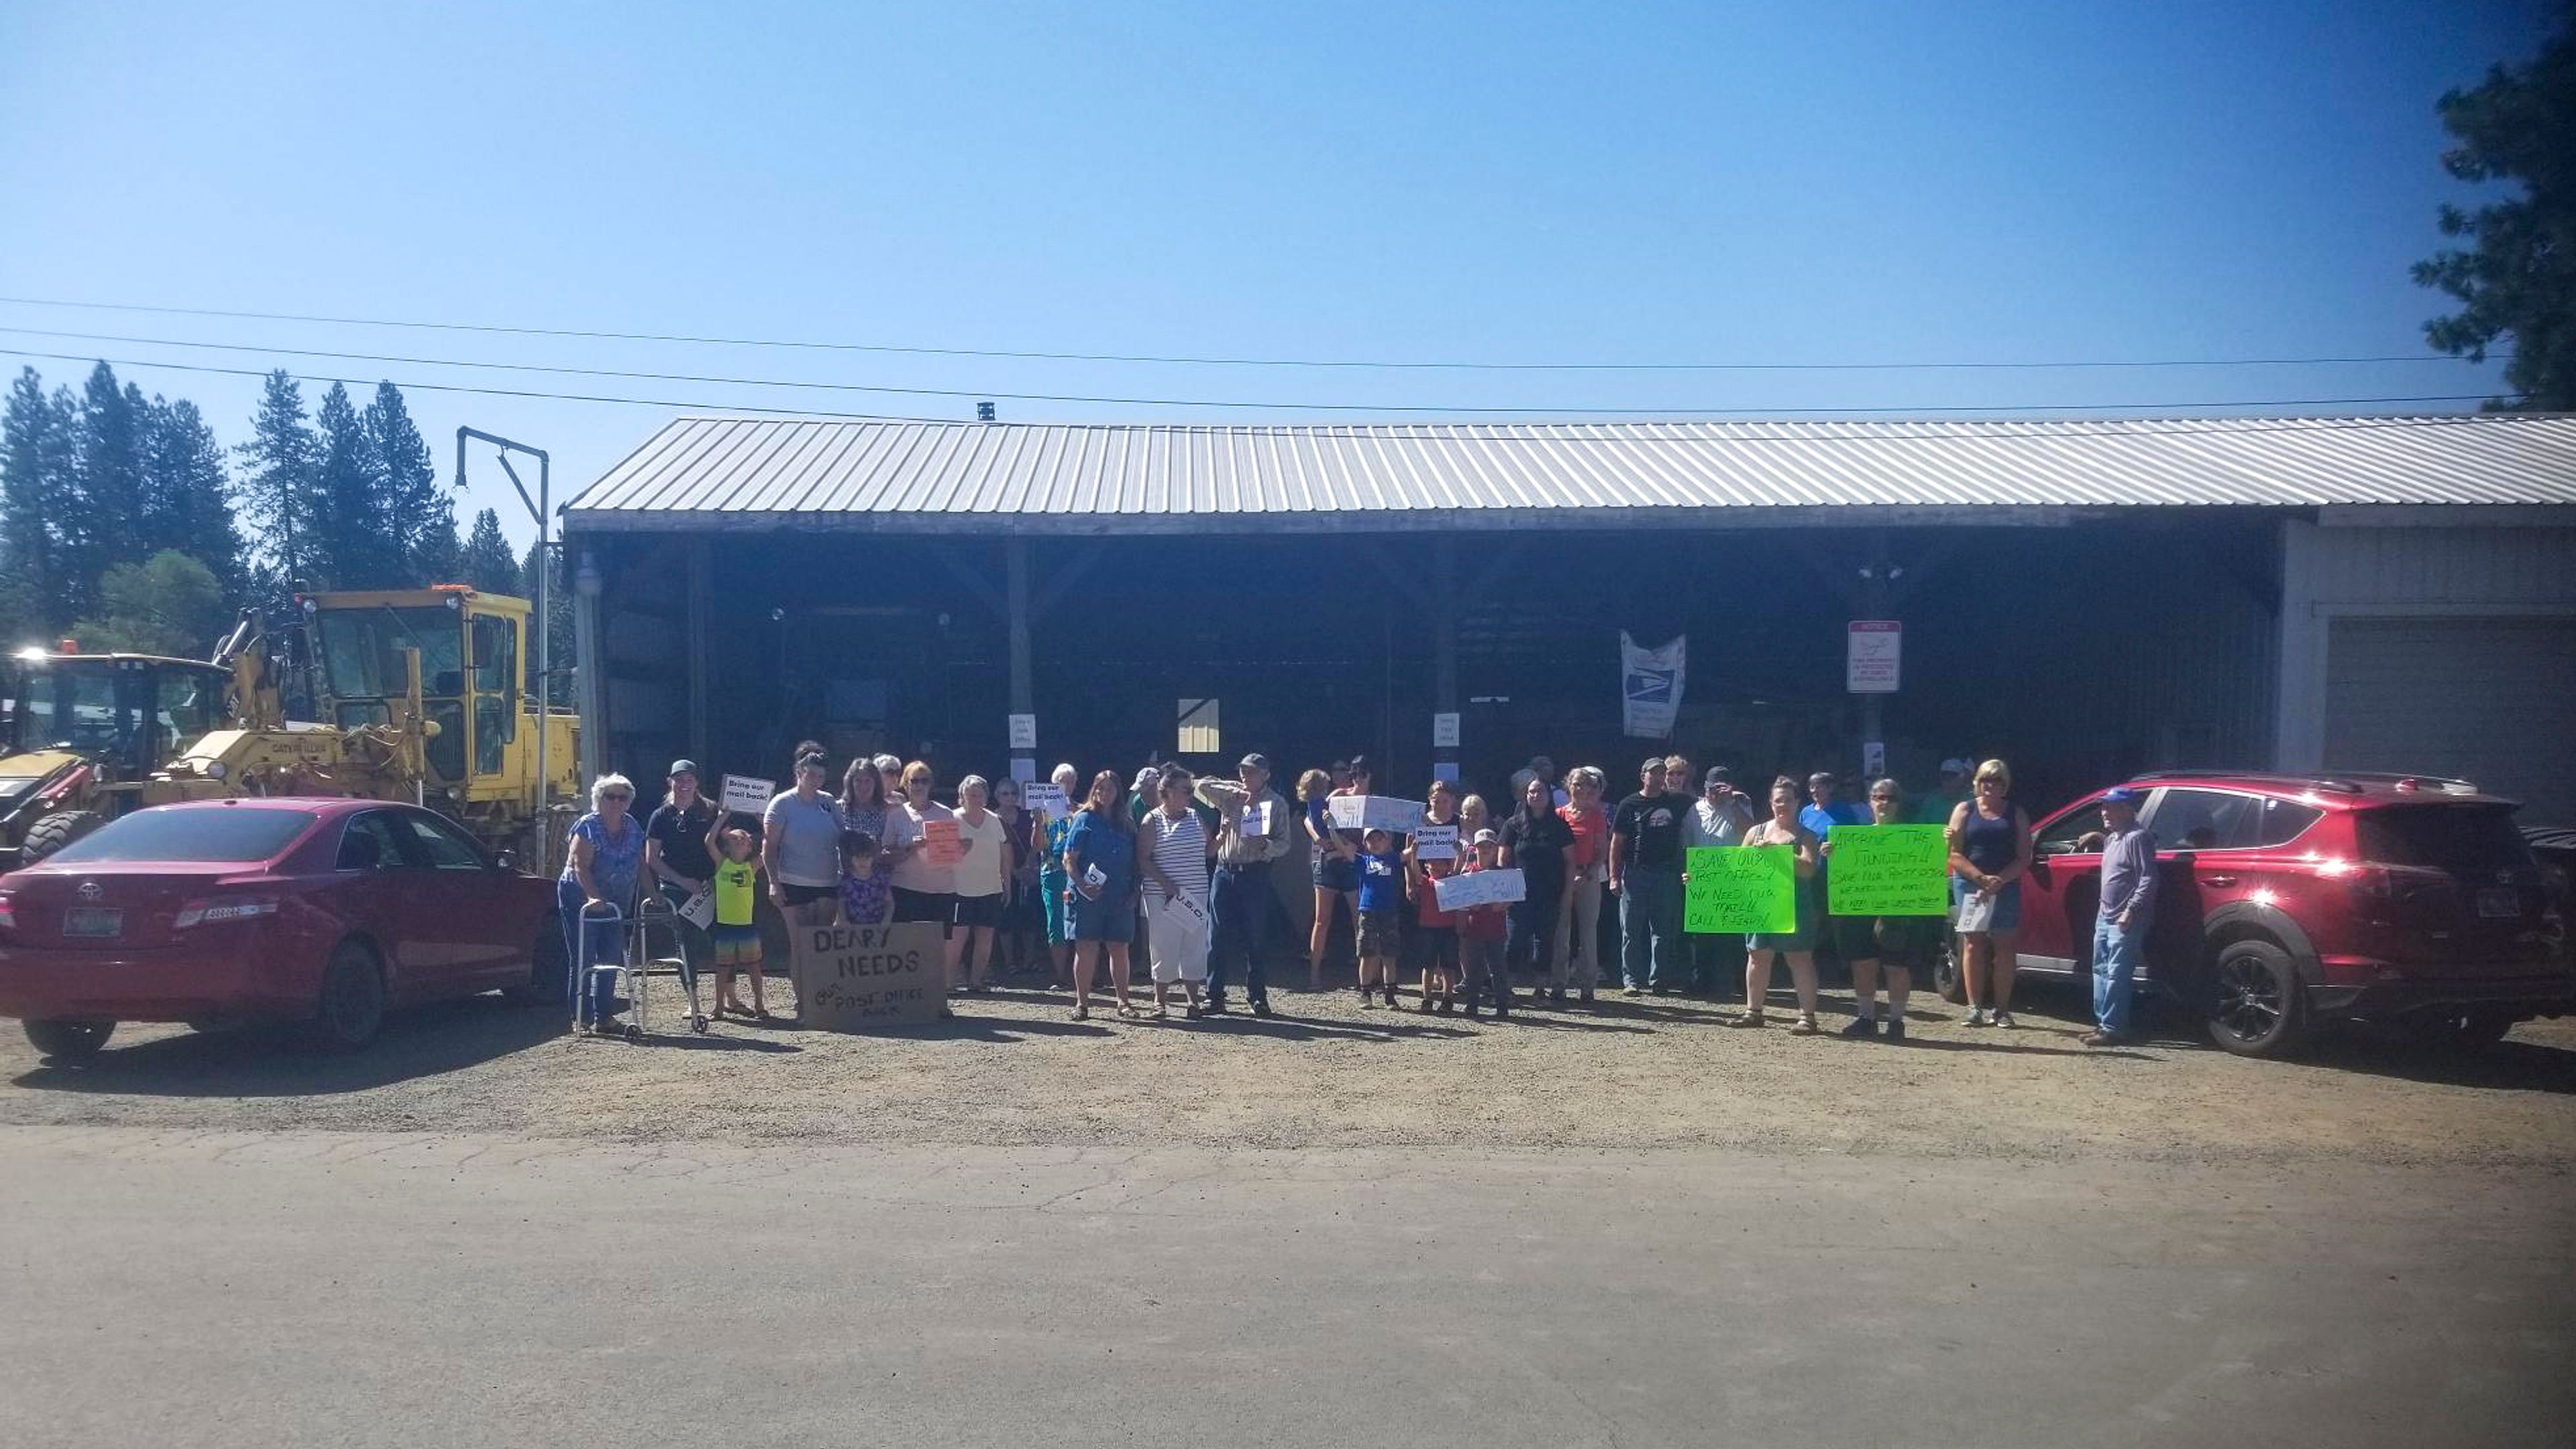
x: 994, y: 477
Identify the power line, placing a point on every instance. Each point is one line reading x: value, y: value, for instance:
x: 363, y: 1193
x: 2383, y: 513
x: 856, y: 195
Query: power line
x: 1238, y: 405
x: 2178, y: 425
x: 1191, y: 361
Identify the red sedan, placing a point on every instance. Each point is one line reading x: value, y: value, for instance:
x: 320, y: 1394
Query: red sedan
x: 321, y: 911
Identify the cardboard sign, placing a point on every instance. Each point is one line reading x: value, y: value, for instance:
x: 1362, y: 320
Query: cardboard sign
x: 1743, y: 888
x: 940, y: 845
x: 699, y: 910
x: 1889, y: 870
x: 1480, y: 888
x: 1048, y: 800
x: 1374, y: 812
x: 1436, y: 842
x: 857, y: 978
x: 743, y: 795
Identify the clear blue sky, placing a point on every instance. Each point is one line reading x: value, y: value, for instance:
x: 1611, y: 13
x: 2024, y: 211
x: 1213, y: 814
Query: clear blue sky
x: 1589, y: 183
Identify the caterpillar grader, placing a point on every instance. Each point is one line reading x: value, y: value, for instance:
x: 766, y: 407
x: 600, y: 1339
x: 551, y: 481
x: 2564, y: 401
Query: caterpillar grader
x: 422, y: 695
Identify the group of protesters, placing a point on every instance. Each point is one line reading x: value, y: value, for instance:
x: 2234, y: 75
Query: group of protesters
x: 1176, y: 869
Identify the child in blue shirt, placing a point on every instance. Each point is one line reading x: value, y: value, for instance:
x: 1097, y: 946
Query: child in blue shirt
x: 1381, y: 872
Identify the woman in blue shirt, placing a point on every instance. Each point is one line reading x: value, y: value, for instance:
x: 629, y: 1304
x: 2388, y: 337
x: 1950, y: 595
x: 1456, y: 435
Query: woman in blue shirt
x: 1100, y: 890
x: 601, y: 868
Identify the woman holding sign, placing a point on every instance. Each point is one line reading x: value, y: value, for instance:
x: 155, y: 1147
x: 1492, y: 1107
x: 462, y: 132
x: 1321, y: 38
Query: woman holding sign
x: 1797, y: 944
x: 1989, y: 851
x: 1336, y: 872
x: 1895, y: 941
x: 921, y: 835
x: 1100, y: 893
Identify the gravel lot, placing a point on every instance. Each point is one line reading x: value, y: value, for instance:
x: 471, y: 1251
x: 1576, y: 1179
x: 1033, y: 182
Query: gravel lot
x: 1655, y: 1072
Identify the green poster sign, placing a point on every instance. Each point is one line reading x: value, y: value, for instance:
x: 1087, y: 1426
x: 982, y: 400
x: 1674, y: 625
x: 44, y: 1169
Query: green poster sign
x: 1741, y: 888
x: 1888, y: 870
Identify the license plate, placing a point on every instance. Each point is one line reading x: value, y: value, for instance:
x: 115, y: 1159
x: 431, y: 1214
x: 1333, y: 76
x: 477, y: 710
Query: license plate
x: 2499, y: 903
x: 94, y: 921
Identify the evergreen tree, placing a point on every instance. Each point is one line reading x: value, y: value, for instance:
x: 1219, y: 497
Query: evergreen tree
x: 187, y: 504
x: 422, y: 512
x: 361, y: 544
x: 281, y: 485
x: 169, y: 604
x: 487, y: 566
x: 35, y: 477
x: 100, y: 518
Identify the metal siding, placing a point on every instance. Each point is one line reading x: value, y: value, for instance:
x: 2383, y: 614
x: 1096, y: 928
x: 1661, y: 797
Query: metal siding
x: 2389, y: 567
x: 998, y: 471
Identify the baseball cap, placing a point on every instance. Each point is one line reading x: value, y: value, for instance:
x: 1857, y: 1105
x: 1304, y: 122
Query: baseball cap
x: 1486, y: 837
x: 1360, y: 766
x: 1717, y: 775
x: 2122, y: 795
x: 1955, y: 766
x: 1256, y: 761
x: 682, y: 767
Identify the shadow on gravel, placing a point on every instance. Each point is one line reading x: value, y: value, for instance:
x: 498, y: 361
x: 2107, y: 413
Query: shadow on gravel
x: 1289, y: 1028
x: 265, y: 1061
x: 2508, y: 1065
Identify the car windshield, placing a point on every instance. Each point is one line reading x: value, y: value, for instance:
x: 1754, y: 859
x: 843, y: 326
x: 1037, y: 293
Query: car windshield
x: 361, y: 651
x: 189, y: 835
x: 2456, y: 838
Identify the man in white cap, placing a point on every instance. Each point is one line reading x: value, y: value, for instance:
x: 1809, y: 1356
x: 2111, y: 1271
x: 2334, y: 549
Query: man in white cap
x: 1936, y: 807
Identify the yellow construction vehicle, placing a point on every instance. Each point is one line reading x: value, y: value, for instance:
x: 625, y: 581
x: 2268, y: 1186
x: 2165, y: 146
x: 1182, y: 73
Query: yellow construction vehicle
x: 423, y: 698
x: 78, y: 731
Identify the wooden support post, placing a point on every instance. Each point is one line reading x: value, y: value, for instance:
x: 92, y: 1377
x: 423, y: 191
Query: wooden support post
x: 1015, y: 569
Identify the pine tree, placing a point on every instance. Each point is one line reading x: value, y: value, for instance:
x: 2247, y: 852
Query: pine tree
x: 280, y: 487
x: 423, y: 512
x: 361, y: 544
x: 35, y: 478
x: 101, y: 520
x: 487, y: 566
x: 187, y: 504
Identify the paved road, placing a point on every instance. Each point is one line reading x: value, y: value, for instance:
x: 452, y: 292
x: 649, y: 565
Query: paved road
x: 267, y: 1289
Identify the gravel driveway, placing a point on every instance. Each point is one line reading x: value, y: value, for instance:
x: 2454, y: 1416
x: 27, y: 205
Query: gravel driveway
x: 1654, y: 1072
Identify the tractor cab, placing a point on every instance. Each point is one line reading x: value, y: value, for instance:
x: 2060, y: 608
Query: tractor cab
x: 73, y: 724
x: 472, y: 679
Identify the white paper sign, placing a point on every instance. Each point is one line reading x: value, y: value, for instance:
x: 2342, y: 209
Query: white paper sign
x: 1446, y: 771
x: 743, y: 795
x: 1024, y: 770
x: 1048, y: 799
x: 1873, y: 649
x: 1480, y: 888
x: 1256, y: 820
x: 1435, y: 842
x: 700, y: 910
x: 1976, y: 913
x: 1444, y: 731
x: 1374, y: 812
x: 1190, y: 909
x: 1024, y: 732
x: 1094, y: 877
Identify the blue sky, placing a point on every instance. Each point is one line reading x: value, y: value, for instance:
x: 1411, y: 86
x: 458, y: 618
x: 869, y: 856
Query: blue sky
x: 1809, y: 183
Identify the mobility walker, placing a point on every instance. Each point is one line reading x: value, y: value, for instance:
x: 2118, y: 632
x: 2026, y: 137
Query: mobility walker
x: 597, y: 918
x: 657, y: 920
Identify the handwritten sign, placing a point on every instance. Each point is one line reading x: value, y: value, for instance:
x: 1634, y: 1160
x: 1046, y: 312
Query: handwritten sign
x: 743, y: 795
x: 1048, y: 800
x: 1256, y: 820
x: 857, y: 978
x: 939, y: 843
x: 1741, y: 888
x: 1889, y: 870
x: 1480, y: 888
x: 1436, y: 842
x: 1374, y: 812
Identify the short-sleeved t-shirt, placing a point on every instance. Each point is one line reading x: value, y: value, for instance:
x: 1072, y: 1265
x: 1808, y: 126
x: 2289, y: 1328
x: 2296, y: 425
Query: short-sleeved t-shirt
x: 914, y: 872
x: 986, y: 869
x: 809, y: 839
x: 615, y: 860
x: 1180, y: 852
x: 1098, y: 843
x: 1587, y: 828
x: 736, y: 882
x: 1539, y: 845
x: 1652, y: 827
x: 1426, y: 906
x: 1381, y: 881
x: 1820, y: 820
x: 682, y: 834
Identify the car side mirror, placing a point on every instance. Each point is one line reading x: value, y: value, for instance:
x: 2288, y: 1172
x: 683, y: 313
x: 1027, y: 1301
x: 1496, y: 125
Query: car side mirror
x: 506, y: 860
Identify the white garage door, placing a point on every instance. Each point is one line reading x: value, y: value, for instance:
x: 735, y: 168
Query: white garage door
x: 2490, y: 700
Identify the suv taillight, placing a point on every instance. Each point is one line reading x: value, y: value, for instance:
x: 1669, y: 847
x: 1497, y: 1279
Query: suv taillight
x: 217, y: 912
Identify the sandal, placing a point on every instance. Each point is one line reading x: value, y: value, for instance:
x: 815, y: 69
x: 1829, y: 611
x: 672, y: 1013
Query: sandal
x: 1129, y: 1013
x: 1750, y: 1018
x: 1082, y: 1013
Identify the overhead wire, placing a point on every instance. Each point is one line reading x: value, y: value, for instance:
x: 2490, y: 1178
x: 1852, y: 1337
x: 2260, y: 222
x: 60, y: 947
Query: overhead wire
x: 1185, y: 360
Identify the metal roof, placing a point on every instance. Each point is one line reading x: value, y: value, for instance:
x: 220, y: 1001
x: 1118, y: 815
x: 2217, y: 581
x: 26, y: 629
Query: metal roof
x: 721, y: 472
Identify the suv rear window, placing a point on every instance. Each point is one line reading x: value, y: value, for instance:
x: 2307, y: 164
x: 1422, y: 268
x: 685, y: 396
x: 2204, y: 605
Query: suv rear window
x: 190, y: 835
x: 2455, y: 838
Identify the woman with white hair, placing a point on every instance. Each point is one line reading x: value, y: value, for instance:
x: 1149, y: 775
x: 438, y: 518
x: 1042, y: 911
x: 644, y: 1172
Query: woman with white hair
x: 601, y: 868
x: 982, y: 878
x: 1048, y: 838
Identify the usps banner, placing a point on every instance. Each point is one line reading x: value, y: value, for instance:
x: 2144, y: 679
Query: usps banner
x: 1650, y: 686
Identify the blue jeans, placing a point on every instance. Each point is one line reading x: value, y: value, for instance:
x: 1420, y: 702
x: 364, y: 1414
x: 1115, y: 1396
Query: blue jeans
x: 1240, y: 906
x: 1650, y: 929
x: 607, y: 947
x: 2115, y: 973
x: 1529, y: 936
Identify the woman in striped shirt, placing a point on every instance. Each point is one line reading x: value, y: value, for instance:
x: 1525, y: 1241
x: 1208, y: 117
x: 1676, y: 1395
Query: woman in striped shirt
x: 1172, y: 846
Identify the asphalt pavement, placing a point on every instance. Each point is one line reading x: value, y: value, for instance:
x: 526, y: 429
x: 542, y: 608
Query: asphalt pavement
x: 189, y: 1288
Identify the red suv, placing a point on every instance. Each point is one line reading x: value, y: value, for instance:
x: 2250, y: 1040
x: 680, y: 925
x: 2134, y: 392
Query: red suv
x: 2286, y: 900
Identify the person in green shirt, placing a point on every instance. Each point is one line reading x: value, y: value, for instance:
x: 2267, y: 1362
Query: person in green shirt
x: 734, y: 935
x: 1937, y: 807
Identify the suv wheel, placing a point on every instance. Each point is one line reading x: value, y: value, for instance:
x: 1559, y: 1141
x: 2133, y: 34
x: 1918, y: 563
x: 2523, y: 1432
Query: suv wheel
x: 1947, y: 979
x: 2256, y: 1007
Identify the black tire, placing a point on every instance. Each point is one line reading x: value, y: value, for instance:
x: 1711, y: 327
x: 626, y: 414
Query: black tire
x: 351, y: 1007
x: 2468, y: 1029
x: 55, y: 831
x: 546, y: 969
x: 69, y: 1043
x: 1948, y: 981
x: 2254, y: 1003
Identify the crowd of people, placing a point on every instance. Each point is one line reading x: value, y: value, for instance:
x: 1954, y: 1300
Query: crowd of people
x: 1177, y: 869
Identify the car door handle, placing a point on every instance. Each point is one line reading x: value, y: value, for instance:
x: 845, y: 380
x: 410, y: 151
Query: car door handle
x: 2218, y: 880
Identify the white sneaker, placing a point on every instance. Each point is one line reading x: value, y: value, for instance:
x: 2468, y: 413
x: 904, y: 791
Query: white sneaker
x: 2004, y: 1019
x: 1977, y: 1016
